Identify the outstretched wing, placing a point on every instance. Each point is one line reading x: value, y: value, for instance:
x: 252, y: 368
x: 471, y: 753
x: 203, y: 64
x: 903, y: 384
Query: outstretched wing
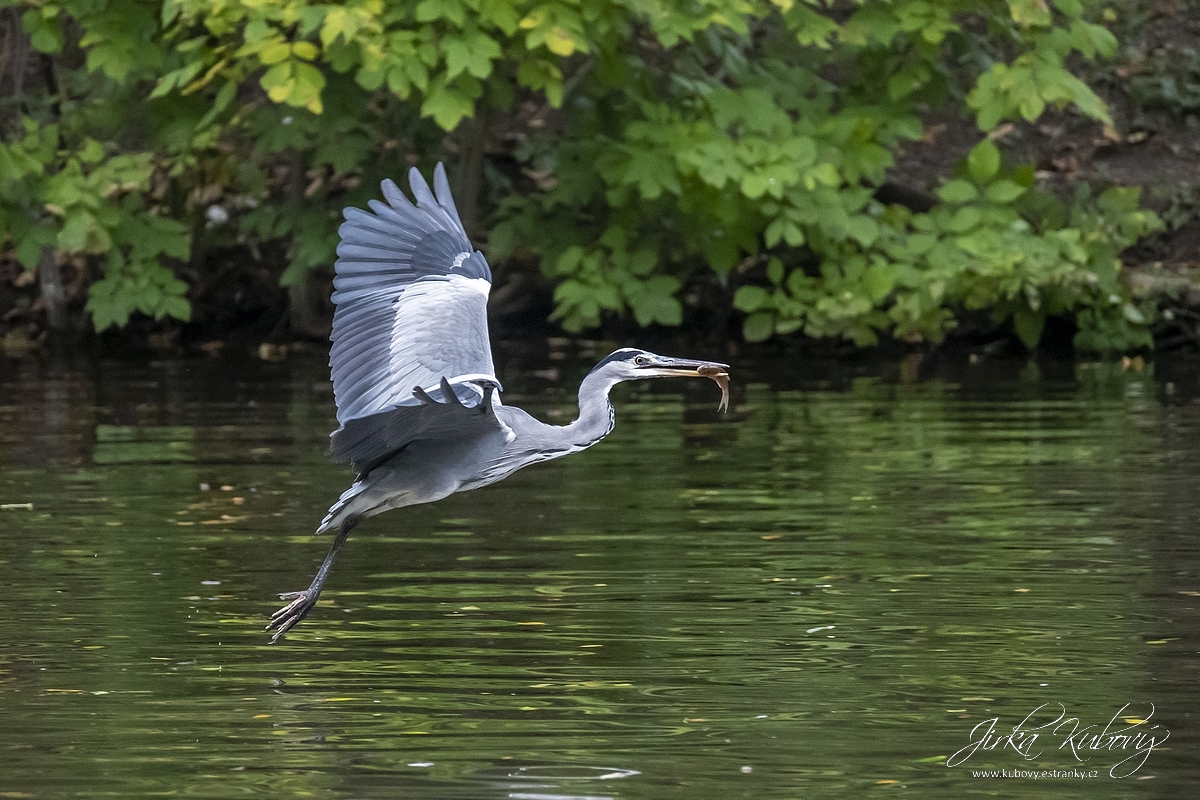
x: 411, y: 300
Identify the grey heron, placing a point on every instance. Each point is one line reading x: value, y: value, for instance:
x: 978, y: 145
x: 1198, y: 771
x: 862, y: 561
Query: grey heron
x: 418, y: 402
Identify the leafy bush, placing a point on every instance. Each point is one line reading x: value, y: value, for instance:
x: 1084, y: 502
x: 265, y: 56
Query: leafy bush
x: 991, y: 243
x: 92, y: 204
x: 742, y: 153
x: 730, y: 143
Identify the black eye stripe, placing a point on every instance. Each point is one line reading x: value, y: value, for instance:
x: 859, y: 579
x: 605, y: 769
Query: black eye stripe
x: 619, y: 355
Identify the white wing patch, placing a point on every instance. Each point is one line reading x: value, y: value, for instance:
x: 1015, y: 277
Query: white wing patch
x: 480, y: 285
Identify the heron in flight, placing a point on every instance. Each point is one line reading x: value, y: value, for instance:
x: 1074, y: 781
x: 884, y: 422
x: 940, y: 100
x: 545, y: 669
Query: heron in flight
x: 418, y: 402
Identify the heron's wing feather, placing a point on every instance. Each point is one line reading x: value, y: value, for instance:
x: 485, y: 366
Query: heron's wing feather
x: 410, y: 297
x: 465, y: 408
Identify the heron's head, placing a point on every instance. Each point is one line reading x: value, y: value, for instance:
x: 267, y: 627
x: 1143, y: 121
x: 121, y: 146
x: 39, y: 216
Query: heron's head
x: 631, y: 364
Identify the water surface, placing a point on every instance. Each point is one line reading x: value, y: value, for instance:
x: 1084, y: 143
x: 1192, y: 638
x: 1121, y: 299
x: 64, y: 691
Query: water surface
x: 819, y: 594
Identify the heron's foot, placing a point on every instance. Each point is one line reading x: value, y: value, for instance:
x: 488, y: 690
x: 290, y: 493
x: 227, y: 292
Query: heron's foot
x: 286, y: 618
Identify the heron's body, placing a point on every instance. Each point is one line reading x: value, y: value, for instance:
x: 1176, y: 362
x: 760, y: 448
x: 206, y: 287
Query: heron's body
x: 418, y: 401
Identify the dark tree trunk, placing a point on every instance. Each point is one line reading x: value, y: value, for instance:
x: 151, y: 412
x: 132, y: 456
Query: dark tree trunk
x: 304, y: 317
x: 304, y: 309
x: 54, y: 296
x: 468, y: 195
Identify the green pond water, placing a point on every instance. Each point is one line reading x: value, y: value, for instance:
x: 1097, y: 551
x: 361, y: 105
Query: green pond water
x: 828, y: 592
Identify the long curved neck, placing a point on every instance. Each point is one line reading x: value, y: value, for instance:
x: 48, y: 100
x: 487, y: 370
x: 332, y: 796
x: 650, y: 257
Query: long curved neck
x: 595, y: 411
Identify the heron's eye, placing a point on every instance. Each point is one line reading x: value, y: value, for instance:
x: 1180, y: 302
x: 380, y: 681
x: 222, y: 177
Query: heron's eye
x: 640, y: 360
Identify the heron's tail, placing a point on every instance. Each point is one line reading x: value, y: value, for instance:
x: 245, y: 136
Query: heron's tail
x: 339, y: 511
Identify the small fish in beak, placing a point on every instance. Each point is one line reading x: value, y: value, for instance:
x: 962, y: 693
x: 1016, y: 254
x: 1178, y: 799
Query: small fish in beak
x: 721, y: 377
x: 664, y: 367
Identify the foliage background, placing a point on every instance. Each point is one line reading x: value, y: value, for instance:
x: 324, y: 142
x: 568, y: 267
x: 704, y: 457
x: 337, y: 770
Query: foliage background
x: 702, y: 164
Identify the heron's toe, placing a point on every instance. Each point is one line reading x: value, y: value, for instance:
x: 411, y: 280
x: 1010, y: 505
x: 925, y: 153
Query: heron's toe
x: 287, y: 617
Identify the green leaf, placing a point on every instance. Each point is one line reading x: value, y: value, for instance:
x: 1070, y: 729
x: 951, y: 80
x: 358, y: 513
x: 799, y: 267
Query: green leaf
x: 1133, y: 314
x: 653, y: 300
x: 92, y: 152
x: 113, y: 61
x: 81, y: 233
x: 879, y: 281
x: 177, y: 78
x: 652, y: 172
x: 170, y: 11
x: 224, y: 97
x: 983, y: 162
x: 449, y: 104
x: 1003, y: 192
x: 643, y: 262
x: 759, y: 326
x: 826, y: 174
x: 458, y: 55
x: 990, y: 114
x: 1071, y: 8
x: 1029, y: 12
x: 305, y: 50
x: 44, y: 33
x: 754, y: 185
x: 784, y: 326
x: 306, y: 92
x: 1028, y: 324
x: 775, y: 271
x: 1032, y: 106
x: 177, y: 307
x: 473, y: 55
x: 540, y: 75
x: 451, y: 10
x: 568, y: 261
x: 278, y: 81
x: 862, y: 229
x: 29, y: 246
x: 273, y: 52
x: 964, y: 219
x: 750, y: 298
x: 958, y: 191
x: 721, y: 254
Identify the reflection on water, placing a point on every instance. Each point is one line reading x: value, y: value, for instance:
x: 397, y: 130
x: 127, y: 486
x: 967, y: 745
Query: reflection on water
x: 822, y: 593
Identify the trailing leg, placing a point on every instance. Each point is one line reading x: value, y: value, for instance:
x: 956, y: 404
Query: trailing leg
x: 286, y: 618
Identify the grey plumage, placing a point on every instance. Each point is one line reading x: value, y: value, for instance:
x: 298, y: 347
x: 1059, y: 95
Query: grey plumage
x: 412, y: 264
x: 419, y: 409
